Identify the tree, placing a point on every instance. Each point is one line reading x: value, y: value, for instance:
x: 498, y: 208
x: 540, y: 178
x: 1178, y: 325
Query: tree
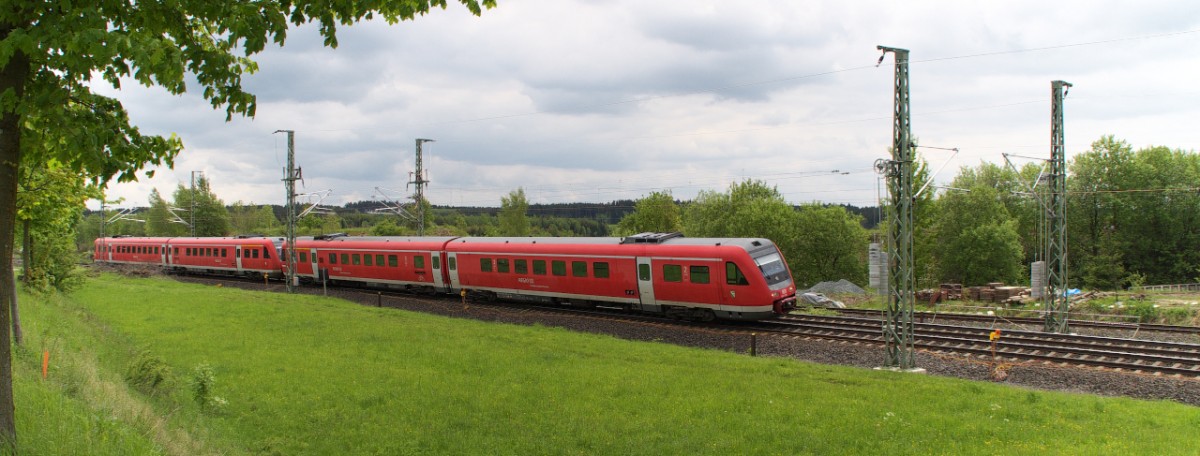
x: 977, y: 239
x: 161, y: 221
x: 50, y: 51
x: 833, y: 243
x: 656, y: 213
x: 513, y: 218
x: 1138, y: 208
x: 50, y: 203
x: 210, y: 215
x: 386, y: 227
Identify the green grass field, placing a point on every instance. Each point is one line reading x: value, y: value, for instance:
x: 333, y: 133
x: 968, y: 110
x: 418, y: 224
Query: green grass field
x: 309, y: 375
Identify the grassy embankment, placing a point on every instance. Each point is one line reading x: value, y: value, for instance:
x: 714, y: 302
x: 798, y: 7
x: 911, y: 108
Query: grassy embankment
x: 307, y: 375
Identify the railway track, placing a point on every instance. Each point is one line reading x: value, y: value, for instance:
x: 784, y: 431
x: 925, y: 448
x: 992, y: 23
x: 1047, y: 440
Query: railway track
x: 995, y: 320
x: 1165, y: 358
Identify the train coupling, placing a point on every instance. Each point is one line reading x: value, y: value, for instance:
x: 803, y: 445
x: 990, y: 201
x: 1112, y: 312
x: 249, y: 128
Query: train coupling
x: 784, y: 305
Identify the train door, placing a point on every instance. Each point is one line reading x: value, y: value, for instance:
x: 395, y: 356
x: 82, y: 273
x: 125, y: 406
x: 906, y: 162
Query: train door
x: 452, y: 269
x: 237, y: 257
x: 316, y: 270
x: 165, y: 257
x: 645, y: 276
x: 736, y: 293
x: 435, y: 257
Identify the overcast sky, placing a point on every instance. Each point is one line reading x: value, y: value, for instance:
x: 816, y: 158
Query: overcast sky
x: 593, y: 101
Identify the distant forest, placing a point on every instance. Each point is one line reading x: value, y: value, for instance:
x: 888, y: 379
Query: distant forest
x: 611, y: 212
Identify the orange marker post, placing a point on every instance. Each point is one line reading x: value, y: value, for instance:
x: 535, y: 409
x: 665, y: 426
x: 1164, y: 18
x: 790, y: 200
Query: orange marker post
x: 45, y: 363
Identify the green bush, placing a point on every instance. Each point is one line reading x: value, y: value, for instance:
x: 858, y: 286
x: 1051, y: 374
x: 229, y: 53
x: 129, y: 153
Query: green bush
x: 1146, y: 311
x: 203, y: 382
x: 1178, y: 315
x: 148, y: 373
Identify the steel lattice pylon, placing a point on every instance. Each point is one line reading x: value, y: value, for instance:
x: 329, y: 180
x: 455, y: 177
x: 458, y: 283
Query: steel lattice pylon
x: 898, y: 328
x: 419, y: 181
x: 1055, y: 299
x: 289, y: 184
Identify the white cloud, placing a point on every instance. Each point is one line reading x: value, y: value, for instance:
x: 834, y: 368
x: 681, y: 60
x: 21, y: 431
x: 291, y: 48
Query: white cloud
x: 595, y: 101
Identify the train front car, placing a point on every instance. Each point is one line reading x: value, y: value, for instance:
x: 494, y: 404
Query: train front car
x: 733, y: 278
x: 663, y: 274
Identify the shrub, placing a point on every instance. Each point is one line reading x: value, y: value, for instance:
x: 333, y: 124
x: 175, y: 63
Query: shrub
x: 148, y: 373
x: 1178, y: 315
x: 1146, y: 311
x: 203, y: 381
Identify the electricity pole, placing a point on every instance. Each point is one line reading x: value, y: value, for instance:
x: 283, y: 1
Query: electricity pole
x: 898, y: 327
x: 289, y: 183
x: 1056, y: 303
x: 193, y: 224
x: 419, y: 182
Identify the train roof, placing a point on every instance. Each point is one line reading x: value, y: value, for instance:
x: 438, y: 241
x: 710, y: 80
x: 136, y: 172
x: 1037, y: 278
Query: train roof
x: 749, y: 244
x: 409, y: 239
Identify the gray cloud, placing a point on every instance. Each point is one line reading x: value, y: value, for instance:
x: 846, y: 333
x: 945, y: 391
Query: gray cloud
x: 593, y: 101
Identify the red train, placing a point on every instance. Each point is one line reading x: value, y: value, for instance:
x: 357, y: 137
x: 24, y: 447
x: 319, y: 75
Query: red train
x: 694, y: 278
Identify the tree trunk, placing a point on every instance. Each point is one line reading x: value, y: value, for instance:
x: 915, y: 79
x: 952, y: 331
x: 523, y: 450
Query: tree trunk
x: 26, y: 261
x: 26, y: 250
x: 18, y: 337
x: 13, y: 75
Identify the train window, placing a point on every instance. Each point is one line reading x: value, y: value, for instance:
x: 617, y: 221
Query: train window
x: 210, y: 252
x: 156, y: 251
x: 177, y: 251
x: 733, y: 275
x: 393, y: 261
x: 485, y: 264
x: 379, y: 260
x: 600, y: 269
x: 539, y: 267
x: 266, y: 253
x: 558, y: 267
x: 437, y: 262
x: 451, y: 264
x: 521, y: 266
x: 419, y: 262
x: 579, y: 268
x: 254, y: 253
x: 368, y: 260
x: 333, y: 258
x: 304, y: 257
x: 672, y: 273
x: 357, y: 259
x: 345, y: 258
x: 643, y: 272
x: 224, y: 253
x: 699, y: 274
x: 501, y: 264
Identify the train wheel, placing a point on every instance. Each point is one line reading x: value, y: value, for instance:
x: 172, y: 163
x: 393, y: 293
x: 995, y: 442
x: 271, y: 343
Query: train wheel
x: 703, y: 315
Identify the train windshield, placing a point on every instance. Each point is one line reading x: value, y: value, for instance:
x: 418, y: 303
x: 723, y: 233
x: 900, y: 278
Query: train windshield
x: 773, y: 269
